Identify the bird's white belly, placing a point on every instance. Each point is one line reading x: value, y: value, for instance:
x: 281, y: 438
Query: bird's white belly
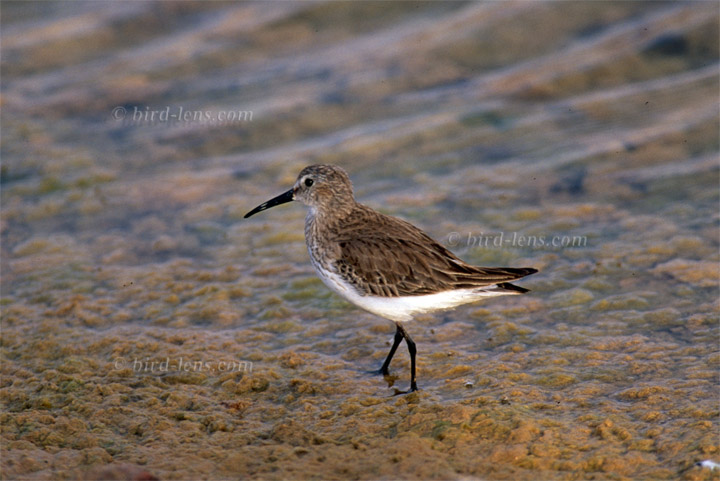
x: 401, y: 309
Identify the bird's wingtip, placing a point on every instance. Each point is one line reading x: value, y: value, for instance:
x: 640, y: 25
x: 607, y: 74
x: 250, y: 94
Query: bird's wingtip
x: 512, y: 288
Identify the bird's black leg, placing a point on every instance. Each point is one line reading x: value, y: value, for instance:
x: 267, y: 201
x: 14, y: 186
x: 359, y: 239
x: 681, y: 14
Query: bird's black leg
x: 399, y: 333
x: 412, y: 350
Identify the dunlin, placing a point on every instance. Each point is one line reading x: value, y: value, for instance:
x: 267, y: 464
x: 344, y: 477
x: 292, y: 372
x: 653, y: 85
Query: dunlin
x: 383, y: 264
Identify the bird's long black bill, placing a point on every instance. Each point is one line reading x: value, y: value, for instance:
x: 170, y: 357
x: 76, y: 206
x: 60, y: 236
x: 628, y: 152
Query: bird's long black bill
x: 288, y: 196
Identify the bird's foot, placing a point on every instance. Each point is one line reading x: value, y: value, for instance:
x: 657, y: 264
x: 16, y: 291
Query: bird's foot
x: 413, y: 388
x: 385, y: 373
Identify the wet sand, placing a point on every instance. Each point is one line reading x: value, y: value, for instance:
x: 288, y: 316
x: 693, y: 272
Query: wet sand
x: 146, y: 325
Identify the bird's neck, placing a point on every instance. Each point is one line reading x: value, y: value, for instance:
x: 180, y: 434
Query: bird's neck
x: 331, y: 213
x: 322, y: 221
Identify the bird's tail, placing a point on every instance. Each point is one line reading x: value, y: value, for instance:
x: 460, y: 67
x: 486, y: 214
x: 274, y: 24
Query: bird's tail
x: 502, y: 288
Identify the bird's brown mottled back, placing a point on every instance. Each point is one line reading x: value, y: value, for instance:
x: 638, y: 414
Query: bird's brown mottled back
x: 386, y: 256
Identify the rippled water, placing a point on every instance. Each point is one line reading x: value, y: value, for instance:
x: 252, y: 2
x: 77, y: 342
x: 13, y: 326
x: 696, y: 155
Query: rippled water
x: 146, y: 324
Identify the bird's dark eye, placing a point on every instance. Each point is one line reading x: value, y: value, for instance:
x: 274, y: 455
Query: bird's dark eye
x: 309, y: 182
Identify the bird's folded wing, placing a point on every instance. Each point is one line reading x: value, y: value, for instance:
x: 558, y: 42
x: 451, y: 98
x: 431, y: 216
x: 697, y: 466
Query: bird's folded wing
x: 404, y: 261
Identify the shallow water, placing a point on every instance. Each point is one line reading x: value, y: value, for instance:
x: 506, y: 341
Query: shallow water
x: 144, y: 322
